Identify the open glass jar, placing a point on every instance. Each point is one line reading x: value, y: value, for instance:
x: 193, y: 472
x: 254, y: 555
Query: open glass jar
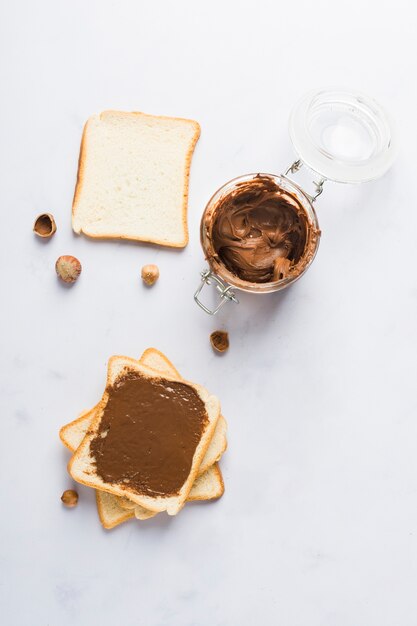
x: 260, y: 232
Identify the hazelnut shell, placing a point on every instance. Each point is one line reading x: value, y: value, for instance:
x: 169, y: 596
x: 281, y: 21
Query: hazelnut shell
x: 219, y: 340
x: 44, y: 225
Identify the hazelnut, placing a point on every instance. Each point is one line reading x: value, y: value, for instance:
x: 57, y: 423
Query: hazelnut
x: 44, y: 225
x: 70, y: 498
x: 150, y: 274
x: 68, y: 268
x: 219, y: 340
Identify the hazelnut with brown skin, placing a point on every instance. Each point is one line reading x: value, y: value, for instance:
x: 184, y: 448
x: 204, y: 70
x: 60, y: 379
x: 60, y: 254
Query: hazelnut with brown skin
x: 70, y: 498
x: 219, y: 340
x: 68, y: 268
x: 150, y: 274
x: 44, y: 225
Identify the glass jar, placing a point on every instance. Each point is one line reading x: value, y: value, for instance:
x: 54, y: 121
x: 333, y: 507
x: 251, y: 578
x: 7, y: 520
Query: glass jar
x: 338, y: 135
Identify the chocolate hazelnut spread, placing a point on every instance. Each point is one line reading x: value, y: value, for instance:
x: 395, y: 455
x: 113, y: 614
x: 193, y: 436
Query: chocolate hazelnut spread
x: 148, y: 434
x: 260, y: 232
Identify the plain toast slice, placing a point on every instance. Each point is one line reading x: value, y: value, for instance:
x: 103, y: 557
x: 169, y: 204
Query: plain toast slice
x: 133, y: 175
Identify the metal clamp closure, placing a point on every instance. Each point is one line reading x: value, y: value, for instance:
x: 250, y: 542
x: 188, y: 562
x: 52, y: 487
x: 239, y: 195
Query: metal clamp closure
x: 295, y: 167
x: 226, y: 292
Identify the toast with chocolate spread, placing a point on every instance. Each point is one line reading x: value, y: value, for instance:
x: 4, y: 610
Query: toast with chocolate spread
x: 148, y: 438
x: 114, y: 510
x: 73, y: 433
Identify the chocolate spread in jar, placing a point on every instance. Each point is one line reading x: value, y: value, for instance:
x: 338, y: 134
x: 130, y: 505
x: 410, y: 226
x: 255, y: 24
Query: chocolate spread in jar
x: 260, y: 232
x: 148, y: 434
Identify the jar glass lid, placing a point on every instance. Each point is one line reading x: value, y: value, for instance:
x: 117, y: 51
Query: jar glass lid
x: 343, y: 136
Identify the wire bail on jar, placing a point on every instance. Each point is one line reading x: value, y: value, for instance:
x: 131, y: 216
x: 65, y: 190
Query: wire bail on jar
x: 295, y: 167
x: 225, y: 291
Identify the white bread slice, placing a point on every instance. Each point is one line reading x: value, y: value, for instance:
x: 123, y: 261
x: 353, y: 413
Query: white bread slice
x: 208, y: 486
x: 109, y: 510
x: 73, y: 433
x: 133, y: 176
x: 154, y: 358
x: 82, y: 467
x: 217, y: 446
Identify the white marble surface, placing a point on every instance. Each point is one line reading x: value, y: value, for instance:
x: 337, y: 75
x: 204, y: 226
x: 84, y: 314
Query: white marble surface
x: 318, y: 526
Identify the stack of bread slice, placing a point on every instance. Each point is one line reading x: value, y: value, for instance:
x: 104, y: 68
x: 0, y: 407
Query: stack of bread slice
x: 116, y: 502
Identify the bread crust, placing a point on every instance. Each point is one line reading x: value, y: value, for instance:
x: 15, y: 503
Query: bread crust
x: 209, y: 460
x: 81, y: 169
x: 215, y: 496
x: 85, y: 416
x: 148, y: 354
